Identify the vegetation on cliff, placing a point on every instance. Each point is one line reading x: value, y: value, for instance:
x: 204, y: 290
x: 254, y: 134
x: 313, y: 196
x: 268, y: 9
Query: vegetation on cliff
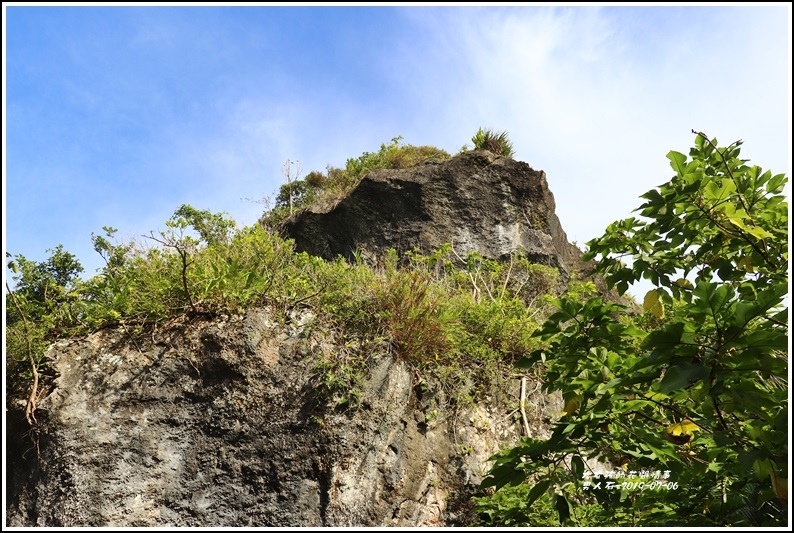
x: 695, y: 388
x: 329, y: 186
x: 497, y: 142
x: 434, y: 315
x: 689, y: 403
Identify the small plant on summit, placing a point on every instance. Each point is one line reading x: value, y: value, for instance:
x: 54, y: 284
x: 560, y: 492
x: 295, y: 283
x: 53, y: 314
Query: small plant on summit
x: 496, y: 142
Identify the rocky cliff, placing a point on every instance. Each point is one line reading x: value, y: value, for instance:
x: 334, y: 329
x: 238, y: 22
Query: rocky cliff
x: 216, y: 422
x: 477, y: 201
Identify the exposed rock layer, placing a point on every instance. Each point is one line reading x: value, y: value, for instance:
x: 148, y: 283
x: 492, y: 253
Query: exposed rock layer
x: 216, y: 423
x: 477, y: 201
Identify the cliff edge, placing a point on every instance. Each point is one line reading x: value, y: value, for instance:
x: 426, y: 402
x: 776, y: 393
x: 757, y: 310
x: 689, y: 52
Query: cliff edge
x: 478, y: 201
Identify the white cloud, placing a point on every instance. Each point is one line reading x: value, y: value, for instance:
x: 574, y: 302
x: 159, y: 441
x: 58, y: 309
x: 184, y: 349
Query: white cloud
x: 597, y: 97
x: 571, y: 88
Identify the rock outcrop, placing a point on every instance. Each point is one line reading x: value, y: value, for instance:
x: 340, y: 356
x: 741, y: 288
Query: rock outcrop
x: 218, y: 423
x: 477, y: 201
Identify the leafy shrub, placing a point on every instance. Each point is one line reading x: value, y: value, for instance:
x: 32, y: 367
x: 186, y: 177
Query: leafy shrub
x: 44, y: 306
x: 697, y: 398
x: 43, y: 287
x: 516, y: 506
x: 496, y: 142
x: 316, y: 179
x: 392, y: 155
x: 338, y: 377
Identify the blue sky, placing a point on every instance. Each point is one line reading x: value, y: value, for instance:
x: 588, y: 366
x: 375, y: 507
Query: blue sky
x: 115, y: 116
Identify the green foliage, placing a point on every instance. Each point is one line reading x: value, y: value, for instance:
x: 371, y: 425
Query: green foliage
x: 213, y: 228
x: 43, y: 306
x: 458, y: 328
x: 338, y: 378
x: 717, y: 216
x: 526, y: 506
x: 392, y: 155
x: 414, y: 315
x: 496, y: 142
x: 699, y: 393
x: 483, y: 312
x: 303, y: 191
x: 317, y: 187
x: 42, y: 286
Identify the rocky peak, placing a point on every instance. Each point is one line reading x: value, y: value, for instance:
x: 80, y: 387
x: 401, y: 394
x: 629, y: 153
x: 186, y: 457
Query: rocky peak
x: 217, y: 420
x: 477, y: 201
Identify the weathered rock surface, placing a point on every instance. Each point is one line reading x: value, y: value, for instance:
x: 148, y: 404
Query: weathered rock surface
x: 478, y: 201
x: 216, y: 423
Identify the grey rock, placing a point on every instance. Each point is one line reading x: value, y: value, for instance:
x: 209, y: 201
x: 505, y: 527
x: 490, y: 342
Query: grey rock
x: 216, y: 424
x: 477, y: 201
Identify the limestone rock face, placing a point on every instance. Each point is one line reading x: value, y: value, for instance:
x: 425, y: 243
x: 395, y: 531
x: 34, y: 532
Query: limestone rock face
x: 477, y: 201
x: 217, y: 422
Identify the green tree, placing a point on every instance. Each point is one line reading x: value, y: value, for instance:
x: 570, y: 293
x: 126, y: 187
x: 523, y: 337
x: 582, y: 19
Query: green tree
x: 43, y: 302
x: 213, y: 228
x: 298, y: 193
x: 42, y: 286
x: 689, y: 399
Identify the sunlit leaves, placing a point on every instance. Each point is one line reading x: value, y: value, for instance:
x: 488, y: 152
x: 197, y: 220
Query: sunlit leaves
x: 677, y: 161
x: 681, y: 432
x: 713, y: 241
x: 653, y: 303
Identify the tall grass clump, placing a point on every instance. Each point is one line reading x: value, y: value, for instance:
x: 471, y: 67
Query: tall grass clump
x: 496, y: 142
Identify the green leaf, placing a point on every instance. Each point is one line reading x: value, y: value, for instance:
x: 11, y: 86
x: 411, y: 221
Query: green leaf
x: 563, y: 508
x: 613, y: 359
x: 577, y: 467
x: 529, y: 361
x: 718, y: 191
x: 677, y: 161
x: 537, y: 491
x: 764, y: 301
x: 766, y: 341
x: 776, y: 183
x: 762, y: 468
x: 681, y: 376
x: 714, y: 295
x: 699, y: 141
x: 502, y: 475
x: 666, y: 339
x: 757, y: 232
